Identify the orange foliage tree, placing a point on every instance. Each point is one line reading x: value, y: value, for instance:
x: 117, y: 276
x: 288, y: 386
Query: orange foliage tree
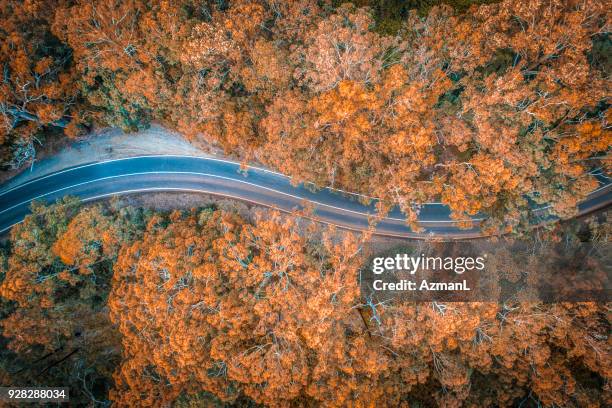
x: 211, y: 302
x: 38, y: 89
x: 257, y: 310
x: 490, y: 111
x: 270, y: 310
x: 493, y: 111
x: 57, y: 278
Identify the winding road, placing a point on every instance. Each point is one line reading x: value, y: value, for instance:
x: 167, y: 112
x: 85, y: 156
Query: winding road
x: 226, y: 178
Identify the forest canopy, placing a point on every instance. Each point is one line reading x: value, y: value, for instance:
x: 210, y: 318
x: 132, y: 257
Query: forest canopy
x: 204, y: 306
x: 492, y: 109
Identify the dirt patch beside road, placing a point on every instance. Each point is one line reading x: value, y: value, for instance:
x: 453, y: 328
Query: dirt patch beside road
x: 107, y: 144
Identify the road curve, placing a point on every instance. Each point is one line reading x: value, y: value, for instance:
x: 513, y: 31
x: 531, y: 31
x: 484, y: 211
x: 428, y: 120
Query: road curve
x: 226, y: 178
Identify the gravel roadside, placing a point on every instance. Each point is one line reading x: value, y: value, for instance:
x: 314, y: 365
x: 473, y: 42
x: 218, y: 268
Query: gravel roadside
x: 107, y: 144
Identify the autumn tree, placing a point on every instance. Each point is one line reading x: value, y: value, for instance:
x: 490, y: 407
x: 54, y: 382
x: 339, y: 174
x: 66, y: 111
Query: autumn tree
x: 257, y: 310
x: 529, y: 92
x: 341, y: 47
x: 57, y: 278
x: 488, y: 112
x: 38, y: 92
x: 493, y: 111
x: 269, y: 310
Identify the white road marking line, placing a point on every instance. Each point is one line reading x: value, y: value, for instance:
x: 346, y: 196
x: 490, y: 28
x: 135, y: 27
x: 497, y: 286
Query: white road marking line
x: 212, y: 159
x: 225, y: 178
x: 411, y: 235
x: 211, y: 175
x: 414, y: 235
x: 189, y: 157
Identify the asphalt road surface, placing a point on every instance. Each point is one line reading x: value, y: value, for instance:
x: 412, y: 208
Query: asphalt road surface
x: 225, y: 178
